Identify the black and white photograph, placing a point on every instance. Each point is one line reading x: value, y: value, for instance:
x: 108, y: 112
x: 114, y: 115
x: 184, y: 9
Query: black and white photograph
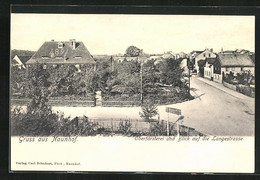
x: 101, y: 92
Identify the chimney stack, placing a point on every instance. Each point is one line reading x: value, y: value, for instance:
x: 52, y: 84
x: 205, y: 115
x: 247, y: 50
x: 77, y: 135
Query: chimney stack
x: 73, y: 43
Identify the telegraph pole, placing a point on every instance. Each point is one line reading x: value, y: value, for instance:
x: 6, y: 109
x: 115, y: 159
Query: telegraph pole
x: 189, y: 67
x: 141, y: 83
x: 189, y: 81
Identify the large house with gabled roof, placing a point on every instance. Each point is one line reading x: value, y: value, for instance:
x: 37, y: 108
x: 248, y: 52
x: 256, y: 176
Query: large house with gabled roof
x: 55, y: 53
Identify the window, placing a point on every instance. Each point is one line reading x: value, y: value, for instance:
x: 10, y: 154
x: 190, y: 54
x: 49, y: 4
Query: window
x: 209, y: 55
x: 226, y: 68
x: 56, y: 51
x: 204, y: 55
x: 60, y: 45
x: 242, y: 69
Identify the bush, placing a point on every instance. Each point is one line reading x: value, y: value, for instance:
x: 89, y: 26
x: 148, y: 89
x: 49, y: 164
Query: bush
x: 158, y: 129
x: 149, y: 110
x: 125, y: 127
x: 33, y: 124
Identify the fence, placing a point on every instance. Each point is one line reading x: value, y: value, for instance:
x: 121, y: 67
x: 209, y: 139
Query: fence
x: 217, y: 78
x: 56, y: 102
x: 120, y: 103
x: 114, y: 124
x: 249, y: 91
x: 243, y: 89
x: 146, y: 127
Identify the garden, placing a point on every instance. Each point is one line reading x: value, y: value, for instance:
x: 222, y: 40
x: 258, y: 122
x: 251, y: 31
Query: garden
x: 243, y: 82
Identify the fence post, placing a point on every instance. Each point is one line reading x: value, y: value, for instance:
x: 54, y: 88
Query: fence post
x: 168, y: 129
x: 178, y: 129
x: 188, y: 133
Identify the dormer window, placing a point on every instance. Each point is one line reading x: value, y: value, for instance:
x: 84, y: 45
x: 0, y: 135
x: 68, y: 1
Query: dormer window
x: 60, y: 45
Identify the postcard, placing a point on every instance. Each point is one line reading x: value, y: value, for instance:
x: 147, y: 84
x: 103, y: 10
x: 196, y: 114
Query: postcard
x: 132, y: 93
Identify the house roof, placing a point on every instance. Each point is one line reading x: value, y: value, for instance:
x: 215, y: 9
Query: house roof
x: 15, y: 52
x: 50, y: 53
x: 228, y: 52
x: 167, y: 56
x: 24, y: 59
x: 210, y: 60
x: 13, y: 61
x: 197, y: 52
x: 235, y: 60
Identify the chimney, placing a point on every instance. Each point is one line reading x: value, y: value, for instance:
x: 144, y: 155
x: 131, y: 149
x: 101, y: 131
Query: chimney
x: 211, y: 49
x: 52, y: 40
x: 73, y: 43
x: 222, y: 50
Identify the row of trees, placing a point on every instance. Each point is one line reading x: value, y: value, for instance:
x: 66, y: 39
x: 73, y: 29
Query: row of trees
x: 121, y: 81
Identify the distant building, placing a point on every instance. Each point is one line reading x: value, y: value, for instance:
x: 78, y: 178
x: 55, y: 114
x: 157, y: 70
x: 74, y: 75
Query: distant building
x: 168, y: 55
x: 20, y: 61
x: 202, y: 57
x: 105, y: 58
x: 193, y: 54
x: 56, y: 53
x: 237, y: 51
x: 182, y: 55
x: 124, y: 58
x: 184, y: 65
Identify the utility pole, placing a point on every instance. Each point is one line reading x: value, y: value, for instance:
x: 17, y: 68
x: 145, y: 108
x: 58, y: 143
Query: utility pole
x: 141, y: 83
x: 189, y: 67
x: 189, y: 81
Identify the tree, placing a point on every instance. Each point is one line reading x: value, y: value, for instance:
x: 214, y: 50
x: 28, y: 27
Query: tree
x: 149, y: 110
x: 133, y: 51
x: 150, y: 77
x: 39, y: 120
x: 171, y: 72
x: 39, y: 91
x: 18, y: 80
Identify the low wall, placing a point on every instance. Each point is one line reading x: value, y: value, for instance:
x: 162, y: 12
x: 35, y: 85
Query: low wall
x: 56, y: 102
x: 120, y: 103
x: 230, y: 86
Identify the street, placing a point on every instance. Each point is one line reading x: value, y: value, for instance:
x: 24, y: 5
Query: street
x: 214, y: 111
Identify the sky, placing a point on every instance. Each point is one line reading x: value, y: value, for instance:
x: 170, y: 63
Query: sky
x: 112, y: 34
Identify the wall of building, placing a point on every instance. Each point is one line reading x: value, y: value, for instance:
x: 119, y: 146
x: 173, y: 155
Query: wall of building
x: 205, y: 54
x: 208, y: 72
x: 236, y: 70
x: 217, y: 78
